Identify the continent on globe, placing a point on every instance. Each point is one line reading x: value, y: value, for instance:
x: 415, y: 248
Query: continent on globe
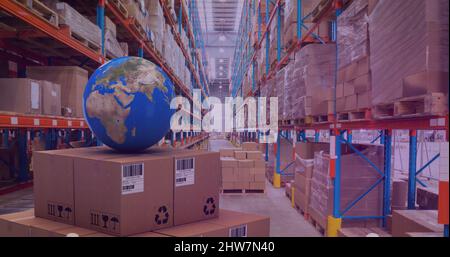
x: 127, y: 103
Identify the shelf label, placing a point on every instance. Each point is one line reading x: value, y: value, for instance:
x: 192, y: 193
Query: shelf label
x: 14, y: 121
x: 69, y: 123
x: 37, y: 122
x: 82, y: 123
x: 437, y: 122
x: 54, y: 123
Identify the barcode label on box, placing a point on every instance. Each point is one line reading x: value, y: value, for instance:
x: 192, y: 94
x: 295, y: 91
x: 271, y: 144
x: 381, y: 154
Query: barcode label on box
x: 132, y: 178
x: 184, y: 172
x: 240, y: 231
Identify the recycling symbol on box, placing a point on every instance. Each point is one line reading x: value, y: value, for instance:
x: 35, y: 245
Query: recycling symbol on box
x: 210, y: 207
x: 162, y: 217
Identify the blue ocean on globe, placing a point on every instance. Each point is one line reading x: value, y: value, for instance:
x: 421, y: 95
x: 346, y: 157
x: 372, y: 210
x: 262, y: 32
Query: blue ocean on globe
x: 126, y: 104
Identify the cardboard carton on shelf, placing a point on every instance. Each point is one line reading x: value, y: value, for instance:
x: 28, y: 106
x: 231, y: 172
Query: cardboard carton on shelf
x: 51, y: 98
x: 21, y: 95
x: 72, y: 80
x: 404, y: 221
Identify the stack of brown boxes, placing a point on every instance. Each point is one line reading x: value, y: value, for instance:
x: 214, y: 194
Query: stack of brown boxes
x: 410, y: 221
x: 409, y: 64
x: 290, y: 21
x: 72, y: 79
x: 353, y: 90
x: 304, y: 167
x: 120, y: 194
x: 243, y: 168
x: 357, y: 176
x: 30, y: 96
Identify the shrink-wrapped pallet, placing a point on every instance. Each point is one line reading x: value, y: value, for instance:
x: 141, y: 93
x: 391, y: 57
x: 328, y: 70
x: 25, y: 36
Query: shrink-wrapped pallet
x: 409, y: 49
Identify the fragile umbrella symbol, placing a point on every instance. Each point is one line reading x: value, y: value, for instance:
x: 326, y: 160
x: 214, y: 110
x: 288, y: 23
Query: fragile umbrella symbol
x: 60, y: 209
x: 114, y: 220
x: 69, y: 211
x: 105, y: 219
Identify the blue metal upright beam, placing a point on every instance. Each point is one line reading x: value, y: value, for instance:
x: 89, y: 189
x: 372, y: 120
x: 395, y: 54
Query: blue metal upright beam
x: 299, y: 20
x: 141, y: 51
x: 278, y: 33
x: 23, y: 155
x: 387, y: 176
x: 337, y: 178
x: 278, y: 154
x: 5, y: 137
x: 412, y: 170
x: 101, y: 22
x: 316, y: 136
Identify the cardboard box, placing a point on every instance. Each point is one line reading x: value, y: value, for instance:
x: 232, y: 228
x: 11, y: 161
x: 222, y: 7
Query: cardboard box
x: 241, y: 185
x: 197, y: 198
x: 227, y: 185
x: 257, y: 185
x: 404, y: 221
x: 124, y: 195
x: 51, y: 98
x: 259, y: 177
x: 260, y: 164
x: 198, y: 229
x: 249, y: 146
x: 243, y: 175
x: 8, y: 227
x: 228, y: 152
x: 246, y: 163
x: 54, y: 181
x: 301, y: 200
x: 307, y: 150
x: 228, y: 175
x: 240, y: 155
x: 21, y: 95
x: 243, y: 224
x: 228, y: 162
x: 254, y: 155
x: 72, y: 79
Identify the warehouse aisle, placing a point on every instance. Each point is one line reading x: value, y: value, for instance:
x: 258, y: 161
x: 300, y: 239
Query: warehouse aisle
x: 285, y: 221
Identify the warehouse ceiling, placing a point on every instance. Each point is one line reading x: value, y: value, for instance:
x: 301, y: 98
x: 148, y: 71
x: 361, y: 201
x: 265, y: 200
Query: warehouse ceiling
x: 220, y: 23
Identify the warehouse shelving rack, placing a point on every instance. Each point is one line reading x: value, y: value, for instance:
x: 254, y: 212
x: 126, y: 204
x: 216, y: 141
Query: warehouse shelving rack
x: 340, y: 132
x: 55, y: 129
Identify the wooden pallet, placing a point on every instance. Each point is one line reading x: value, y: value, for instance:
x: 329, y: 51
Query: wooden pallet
x: 92, y: 45
x: 317, y: 119
x: 320, y: 9
x: 301, y: 121
x: 41, y: 10
x: 120, y: 7
x: 138, y: 28
x: 302, y: 211
x: 353, y: 116
x: 433, y: 104
x: 242, y: 191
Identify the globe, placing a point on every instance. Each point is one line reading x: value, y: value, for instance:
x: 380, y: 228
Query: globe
x: 126, y: 103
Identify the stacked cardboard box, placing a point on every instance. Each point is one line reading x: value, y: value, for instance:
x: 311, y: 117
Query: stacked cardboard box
x: 280, y: 84
x: 30, y: 96
x: 404, y: 221
x: 242, y: 169
x: 406, y: 64
x: 228, y: 224
x: 114, y: 48
x: 286, y: 160
x: 72, y: 79
x: 304, y: 167
x: 357, y: 175
x: 313, y: 79
x: 290, y: 21
x: 8, y: 69
x: 153, y: 190
x: 80, y: 26
x: 353, y: 91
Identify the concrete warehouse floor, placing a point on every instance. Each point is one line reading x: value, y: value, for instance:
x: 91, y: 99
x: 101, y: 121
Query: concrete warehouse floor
x: 285, y: 221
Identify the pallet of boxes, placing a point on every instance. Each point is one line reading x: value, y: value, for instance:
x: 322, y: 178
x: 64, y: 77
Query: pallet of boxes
x: 243, y: 169
x: 97, y: 192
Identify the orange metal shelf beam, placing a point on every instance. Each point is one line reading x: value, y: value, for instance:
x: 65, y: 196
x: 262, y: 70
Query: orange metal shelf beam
x: 60, y: 35
x: 38, y: 121
x: 127, y: 23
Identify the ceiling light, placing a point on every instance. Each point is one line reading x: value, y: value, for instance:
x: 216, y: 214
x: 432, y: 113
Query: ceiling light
x: 221, y: 68
x: 220, y: 87
x: 221, y: 60
x: 221, y: 50
x: 222, y: 38
x: 221, y: 74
